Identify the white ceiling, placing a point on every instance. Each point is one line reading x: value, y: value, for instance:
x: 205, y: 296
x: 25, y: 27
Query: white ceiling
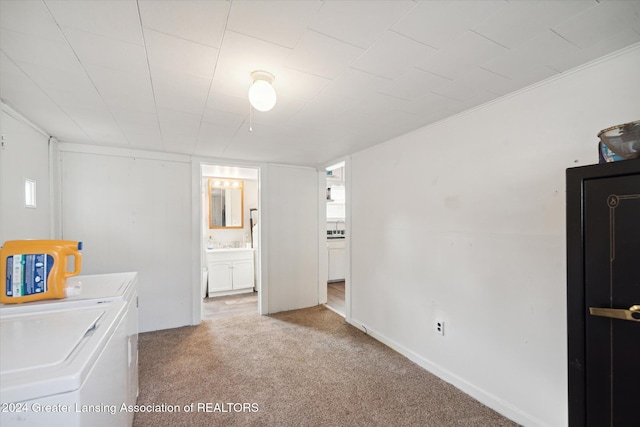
x: 173, y: 75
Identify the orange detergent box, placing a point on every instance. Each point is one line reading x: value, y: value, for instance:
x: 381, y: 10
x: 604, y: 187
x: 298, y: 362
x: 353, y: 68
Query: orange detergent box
x: 37, y: 269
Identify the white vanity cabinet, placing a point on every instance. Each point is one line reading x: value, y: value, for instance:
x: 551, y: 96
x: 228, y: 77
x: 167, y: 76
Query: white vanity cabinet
x: 230, y: 271
x: 337, y: 259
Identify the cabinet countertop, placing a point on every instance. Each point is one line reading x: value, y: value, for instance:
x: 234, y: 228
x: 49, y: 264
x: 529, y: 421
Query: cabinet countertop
x: 219, y: 250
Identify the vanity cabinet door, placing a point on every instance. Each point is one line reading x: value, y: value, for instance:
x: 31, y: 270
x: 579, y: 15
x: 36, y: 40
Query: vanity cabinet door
x: 337, y: 260
x: 243, y: 274
x: 230, y: 271
x: 220, y: 276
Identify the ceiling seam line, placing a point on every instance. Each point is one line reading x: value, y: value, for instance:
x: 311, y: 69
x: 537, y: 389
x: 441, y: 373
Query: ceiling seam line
x: 493, y: 72
x: 153, y: 92
x: 240, y: 126
x: 48, y: 96
x: 335, y: 38
x: 306, y: 72
x: 180, y: 38
x: 364, y: 52
x: 257, y: 38
x: 389, y: 28
x: 487, y: 38
x: 86, y: 74
x: 213, y: 75
x: 414, y: 40
x: 564, y: 38
x: 434, y: 74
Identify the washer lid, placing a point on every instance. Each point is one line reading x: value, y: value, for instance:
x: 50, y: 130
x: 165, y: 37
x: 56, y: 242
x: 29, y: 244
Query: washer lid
x: 43, y: 339
x: 52, y: 352
x: 101, y: 286
x: 85, y: 290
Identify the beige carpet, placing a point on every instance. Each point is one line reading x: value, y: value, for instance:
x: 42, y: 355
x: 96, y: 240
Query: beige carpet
x: 300, y: 368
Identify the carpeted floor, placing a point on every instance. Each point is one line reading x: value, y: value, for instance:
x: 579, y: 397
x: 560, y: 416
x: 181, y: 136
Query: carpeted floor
x: 300, y: 368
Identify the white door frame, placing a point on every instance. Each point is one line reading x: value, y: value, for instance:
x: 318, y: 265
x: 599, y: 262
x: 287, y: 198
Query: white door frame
x: 323, y: 255
x: 197, y: 232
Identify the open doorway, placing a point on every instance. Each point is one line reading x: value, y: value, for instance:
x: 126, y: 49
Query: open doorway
x: 230, y: 244
x: 336, y: 235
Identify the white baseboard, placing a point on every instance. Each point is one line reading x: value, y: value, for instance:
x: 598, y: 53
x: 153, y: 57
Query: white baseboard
x: 494, y: 402
x: 333, y: 309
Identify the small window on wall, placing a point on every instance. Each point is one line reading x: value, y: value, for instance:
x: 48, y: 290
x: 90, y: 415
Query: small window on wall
x: 29, y: 193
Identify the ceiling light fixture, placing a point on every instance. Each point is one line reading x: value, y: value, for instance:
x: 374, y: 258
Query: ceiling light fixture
x: 262, y: 95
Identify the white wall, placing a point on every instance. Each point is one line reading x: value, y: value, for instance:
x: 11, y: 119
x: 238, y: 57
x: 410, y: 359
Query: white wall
x: 24, y: 154
x: 464, y: 221
x: 133, y: 213
x: 290, y: 237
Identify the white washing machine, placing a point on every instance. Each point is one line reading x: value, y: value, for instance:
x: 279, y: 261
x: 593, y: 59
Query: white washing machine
x: 65, y: 367
x: 100, y: 293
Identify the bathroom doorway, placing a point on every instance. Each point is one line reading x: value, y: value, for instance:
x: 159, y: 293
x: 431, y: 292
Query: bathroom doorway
x: 336, y: 238
x: 230, y: 249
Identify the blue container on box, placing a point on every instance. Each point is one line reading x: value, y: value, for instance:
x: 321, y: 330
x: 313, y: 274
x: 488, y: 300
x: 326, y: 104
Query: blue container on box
x: 606, y: 155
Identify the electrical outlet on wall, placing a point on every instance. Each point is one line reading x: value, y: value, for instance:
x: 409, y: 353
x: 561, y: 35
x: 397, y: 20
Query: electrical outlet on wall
x: 440, y: 327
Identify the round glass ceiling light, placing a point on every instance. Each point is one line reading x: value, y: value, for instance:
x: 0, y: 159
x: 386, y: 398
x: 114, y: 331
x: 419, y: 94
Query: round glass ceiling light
x: 262, y: 95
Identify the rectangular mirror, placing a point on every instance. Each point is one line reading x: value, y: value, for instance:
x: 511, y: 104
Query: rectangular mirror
x: 226, y: 203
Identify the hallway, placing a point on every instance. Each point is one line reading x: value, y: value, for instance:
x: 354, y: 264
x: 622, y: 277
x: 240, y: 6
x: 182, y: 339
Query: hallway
x: 335, y: 297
